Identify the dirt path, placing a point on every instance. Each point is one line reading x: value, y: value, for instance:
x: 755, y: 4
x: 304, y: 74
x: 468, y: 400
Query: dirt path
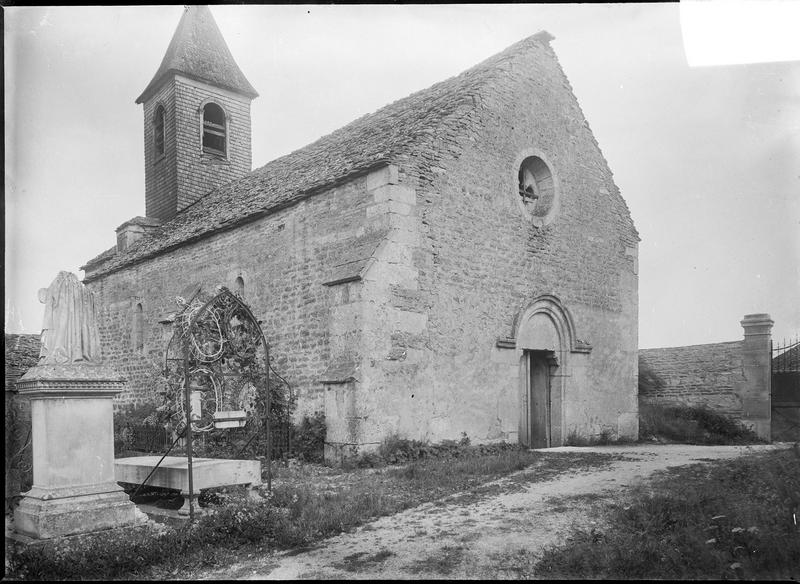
x: 477, y: 539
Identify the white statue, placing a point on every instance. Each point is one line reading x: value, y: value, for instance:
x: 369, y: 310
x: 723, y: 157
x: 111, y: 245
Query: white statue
x: 69, y: 331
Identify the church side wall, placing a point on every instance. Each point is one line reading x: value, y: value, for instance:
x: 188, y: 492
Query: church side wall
x: 283, y: 259
x: 480, y: 262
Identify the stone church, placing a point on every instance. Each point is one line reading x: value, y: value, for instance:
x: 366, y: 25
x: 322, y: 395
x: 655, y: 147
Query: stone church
x: 459, y: 262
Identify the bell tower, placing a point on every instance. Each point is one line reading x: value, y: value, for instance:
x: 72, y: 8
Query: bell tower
x: 196, y: 118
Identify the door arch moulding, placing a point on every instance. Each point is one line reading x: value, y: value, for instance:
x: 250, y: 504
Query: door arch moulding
x: 561, y: 318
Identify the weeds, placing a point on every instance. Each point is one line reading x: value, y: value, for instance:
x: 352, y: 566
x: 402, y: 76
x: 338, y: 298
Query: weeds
x: 442, y: 562
x: 308, y: 437
x: 396, y: 450
x: 109, y: 554
x: 649, y: 380
x: 732, y: 519
x: 691, y: 425
x: 292, y: 516
x: 313, y: 515
x: 361, y: 561
x: 676, y: 423
x: 604, y: 438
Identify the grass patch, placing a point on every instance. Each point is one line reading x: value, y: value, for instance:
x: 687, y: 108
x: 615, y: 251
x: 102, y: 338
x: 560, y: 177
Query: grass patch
x: 434, y: 475
x: 359, y: 561
x: 566, y: 503
x: 691, y: 425
x: 548, y: 467
x: 297, y: 513
x: 443, y: 562
x: 319, y: 502
x: 729, y: 519
x: 129, y: 553
x: 576, y: 439
x: 308, y: 437
x: 397, y: 450
x: 604, y: 438
x: 315, y: 513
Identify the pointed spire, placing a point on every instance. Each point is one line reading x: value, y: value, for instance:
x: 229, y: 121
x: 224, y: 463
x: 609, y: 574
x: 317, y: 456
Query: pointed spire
x: 198, y: 51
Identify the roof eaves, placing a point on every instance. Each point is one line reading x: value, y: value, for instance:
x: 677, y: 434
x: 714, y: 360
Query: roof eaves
x: 153, y: 86
x: 100, y: 258
x: 227, y: 225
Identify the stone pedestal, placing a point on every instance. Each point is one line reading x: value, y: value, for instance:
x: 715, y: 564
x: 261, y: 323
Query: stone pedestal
x: 74, y: 487
x: 756, y: 357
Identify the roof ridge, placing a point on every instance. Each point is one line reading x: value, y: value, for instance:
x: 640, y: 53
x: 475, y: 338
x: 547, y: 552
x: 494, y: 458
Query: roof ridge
x: 487, y: 64
x: 389, y: 134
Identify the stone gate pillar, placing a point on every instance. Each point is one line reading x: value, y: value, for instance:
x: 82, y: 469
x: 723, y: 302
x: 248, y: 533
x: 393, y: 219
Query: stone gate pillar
x: 756, y: 355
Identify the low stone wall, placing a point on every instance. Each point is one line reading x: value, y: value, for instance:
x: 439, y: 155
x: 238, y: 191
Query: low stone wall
x: 730, y: 378
x: 697, y: 375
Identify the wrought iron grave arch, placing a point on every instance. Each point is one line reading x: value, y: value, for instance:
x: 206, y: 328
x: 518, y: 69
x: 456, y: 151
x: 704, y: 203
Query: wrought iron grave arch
x: 217, y: 371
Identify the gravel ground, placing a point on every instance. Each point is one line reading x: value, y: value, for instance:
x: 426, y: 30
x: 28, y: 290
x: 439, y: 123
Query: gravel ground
x: 476, y: 538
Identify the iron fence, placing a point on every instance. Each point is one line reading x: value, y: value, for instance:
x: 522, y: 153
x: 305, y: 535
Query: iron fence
x: 785, y: 390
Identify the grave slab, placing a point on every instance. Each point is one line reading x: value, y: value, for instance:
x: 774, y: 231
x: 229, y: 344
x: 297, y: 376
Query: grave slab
x: 173, y: 473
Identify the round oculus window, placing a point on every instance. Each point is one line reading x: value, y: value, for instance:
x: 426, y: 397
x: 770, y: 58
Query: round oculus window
x: 537, y: 190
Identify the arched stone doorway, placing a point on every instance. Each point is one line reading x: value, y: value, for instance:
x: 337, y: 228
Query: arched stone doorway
x: 545, y: 339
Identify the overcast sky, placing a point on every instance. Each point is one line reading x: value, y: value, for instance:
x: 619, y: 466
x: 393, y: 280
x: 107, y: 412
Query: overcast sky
x: 707, y: 158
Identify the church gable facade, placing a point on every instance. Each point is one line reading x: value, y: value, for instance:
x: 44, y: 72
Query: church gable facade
x: 457, y: 263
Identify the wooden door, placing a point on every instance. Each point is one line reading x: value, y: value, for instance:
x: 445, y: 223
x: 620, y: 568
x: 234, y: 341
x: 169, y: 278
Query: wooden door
x: 539, y: 399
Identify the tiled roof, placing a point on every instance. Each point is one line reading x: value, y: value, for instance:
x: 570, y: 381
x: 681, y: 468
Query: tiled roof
x: 101, y: 257
x: 22, y: 353
x: 412, y: 128
x: 198, y: 50
x: 348, y: 259
x: 144, y: 221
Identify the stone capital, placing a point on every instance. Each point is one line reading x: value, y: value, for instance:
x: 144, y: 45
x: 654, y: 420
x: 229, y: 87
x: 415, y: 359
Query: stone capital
x: 757, y: 324
x: 70, y: 381
x: 71, y: 376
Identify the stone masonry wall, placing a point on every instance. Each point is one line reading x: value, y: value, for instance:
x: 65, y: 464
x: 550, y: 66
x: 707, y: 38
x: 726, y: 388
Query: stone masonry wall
x: 412, y: 347
x: 697, y: 375
x: 199, y: 173
x: 374, y: 329
x: 283, y: 259
x: 480, y: 261
x: 160, y: 175
x: 731, y: 378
